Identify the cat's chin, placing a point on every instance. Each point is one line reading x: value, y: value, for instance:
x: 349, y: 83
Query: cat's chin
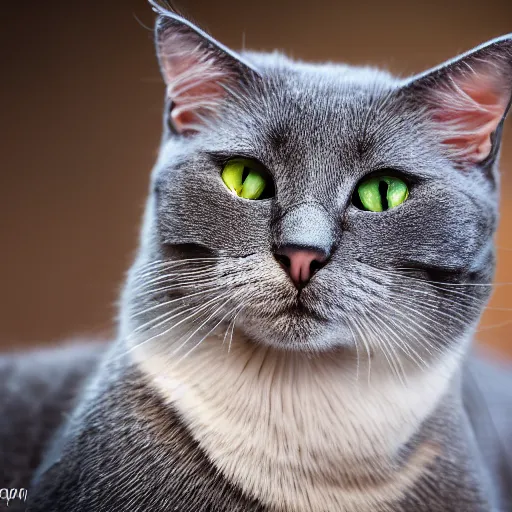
x: 287, y: 331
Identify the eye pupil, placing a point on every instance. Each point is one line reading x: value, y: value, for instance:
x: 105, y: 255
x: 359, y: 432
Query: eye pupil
x: 383, y: 191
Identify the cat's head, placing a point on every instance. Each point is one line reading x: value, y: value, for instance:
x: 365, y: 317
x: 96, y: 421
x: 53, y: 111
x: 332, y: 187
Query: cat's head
x: 323, y: 205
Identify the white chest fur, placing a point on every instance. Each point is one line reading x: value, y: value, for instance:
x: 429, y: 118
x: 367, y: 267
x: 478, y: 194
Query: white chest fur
x: 301, y: 433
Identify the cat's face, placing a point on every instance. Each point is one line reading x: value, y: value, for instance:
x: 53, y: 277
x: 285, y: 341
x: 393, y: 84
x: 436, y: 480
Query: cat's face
x: 406, y: 281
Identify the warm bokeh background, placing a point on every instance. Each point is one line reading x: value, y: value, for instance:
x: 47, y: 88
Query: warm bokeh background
x: 80, y: 120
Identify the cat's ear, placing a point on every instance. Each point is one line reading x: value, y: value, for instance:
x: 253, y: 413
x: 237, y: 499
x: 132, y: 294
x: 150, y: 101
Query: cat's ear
x: 199, y: 72
x: 467, y: 99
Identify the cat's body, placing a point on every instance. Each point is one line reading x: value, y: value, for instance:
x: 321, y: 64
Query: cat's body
x: 294, y: 333
x: 154, y: 463
x: 39, y: 390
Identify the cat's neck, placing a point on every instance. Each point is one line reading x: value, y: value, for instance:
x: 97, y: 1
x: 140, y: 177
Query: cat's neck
x: 312, y: 433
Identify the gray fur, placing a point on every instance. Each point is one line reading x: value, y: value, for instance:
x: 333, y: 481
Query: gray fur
x: 39, y: 390
x: 318, y: 129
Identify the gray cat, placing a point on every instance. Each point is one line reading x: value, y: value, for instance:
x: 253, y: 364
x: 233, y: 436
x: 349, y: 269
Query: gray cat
x: 295, y: 333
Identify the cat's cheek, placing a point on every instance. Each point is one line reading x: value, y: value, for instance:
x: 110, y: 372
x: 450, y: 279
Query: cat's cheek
x: 218, y: 222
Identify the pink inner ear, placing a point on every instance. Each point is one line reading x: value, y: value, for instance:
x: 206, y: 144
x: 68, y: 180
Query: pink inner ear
x: 196, y: 81
x: 191, y: 107
x: 469, y: 110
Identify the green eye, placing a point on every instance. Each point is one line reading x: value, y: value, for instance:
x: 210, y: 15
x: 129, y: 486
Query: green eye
x: 381, y: 193
x: 247, y: 179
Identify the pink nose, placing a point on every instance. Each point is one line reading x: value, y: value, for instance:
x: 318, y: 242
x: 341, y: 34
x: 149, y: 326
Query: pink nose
x: 300, y: 264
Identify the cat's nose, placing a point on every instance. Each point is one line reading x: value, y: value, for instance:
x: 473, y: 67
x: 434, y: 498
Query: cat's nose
x: 300, y: 263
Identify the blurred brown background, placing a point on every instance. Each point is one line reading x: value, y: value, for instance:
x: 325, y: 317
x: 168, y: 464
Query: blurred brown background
x: 80, y: 126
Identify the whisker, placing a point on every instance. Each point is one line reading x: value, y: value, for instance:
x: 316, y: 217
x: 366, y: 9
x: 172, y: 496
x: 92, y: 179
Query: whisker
x: 385, y: 271
x: 459, y: 317
x: 173, y: 326
x: 173, y: 272
x: 494, y: 326
x: 172, y: 301
x: 172, y: 277
x: 387, y: 348
x: 233, y: 328
x: 366, y: 346
x: 203, y: 324
x: 403, y: 345
x: 216, y: 325
x: 187, y: 284
x: 444, y: 283
x: 356, y: 345
x: 171, y: 262
x: 163, y: 318
x: 419, y: 326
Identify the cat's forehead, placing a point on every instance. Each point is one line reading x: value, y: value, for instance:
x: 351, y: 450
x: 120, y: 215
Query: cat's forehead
x: 310, y: 73
x: 325, y: 112
x: 321, y: 86
x: 321, y: 100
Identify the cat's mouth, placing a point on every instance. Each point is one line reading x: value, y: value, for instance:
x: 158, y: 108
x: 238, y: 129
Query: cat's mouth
x: 300, y: 310
x: 297, y: 326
